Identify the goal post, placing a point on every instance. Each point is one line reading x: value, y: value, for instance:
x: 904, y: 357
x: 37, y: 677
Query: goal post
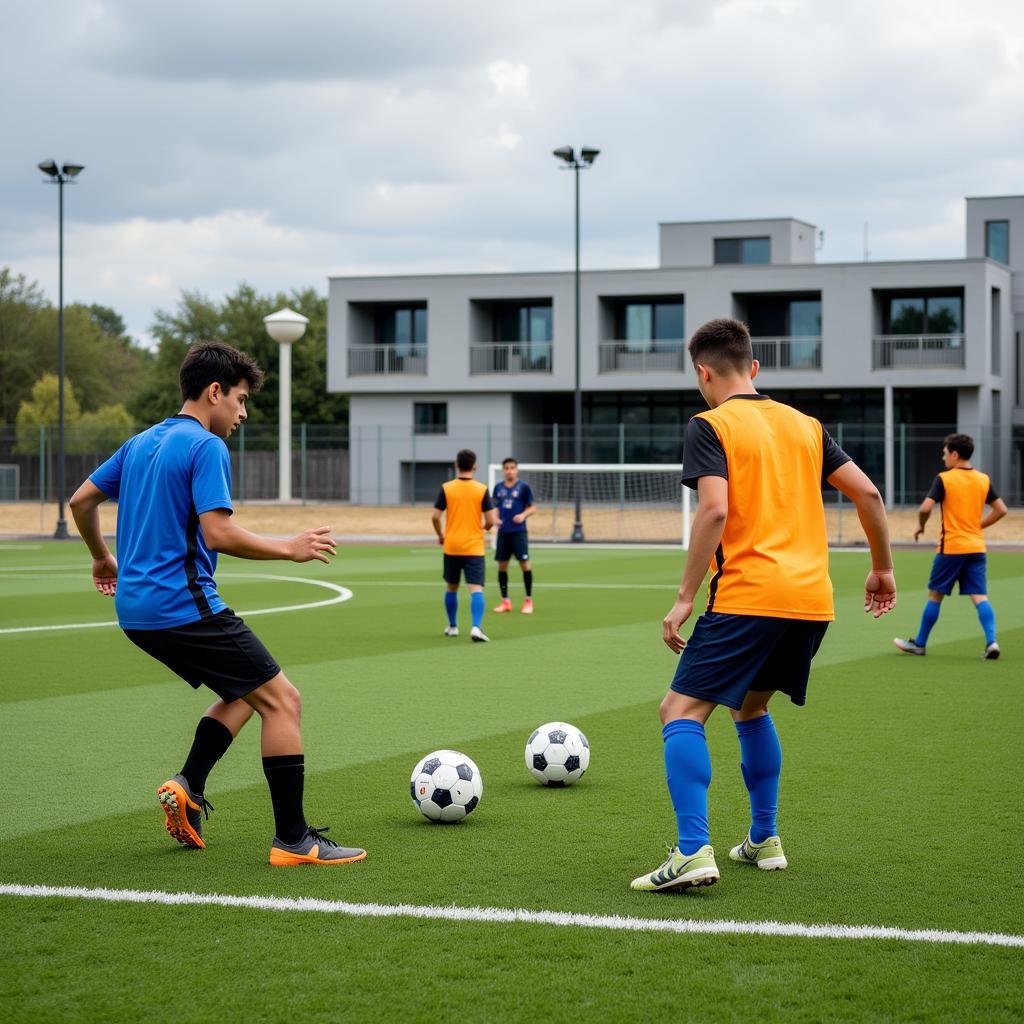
x: 620, y: 503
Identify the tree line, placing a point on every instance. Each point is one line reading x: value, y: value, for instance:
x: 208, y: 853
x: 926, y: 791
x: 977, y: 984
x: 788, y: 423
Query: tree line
x: 113, y: 384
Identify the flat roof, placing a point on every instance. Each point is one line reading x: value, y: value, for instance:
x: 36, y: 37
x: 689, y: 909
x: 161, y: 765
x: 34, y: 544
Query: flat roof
x: 739, y: 220
x: 969, y: 198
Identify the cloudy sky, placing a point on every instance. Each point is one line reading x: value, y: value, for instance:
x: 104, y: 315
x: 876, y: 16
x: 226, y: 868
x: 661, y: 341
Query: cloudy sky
x: 280, y: 144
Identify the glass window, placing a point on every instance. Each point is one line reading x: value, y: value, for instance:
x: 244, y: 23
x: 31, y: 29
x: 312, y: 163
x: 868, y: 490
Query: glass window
x: 945, y: 315
x: 405, y: 327
x: 430, y: 417
x: 997, y: 240
x: 638, y: 322
x: 743, y: 250
x: 906, y: 316
x: 540, y: 323
x: 514, y: 323
x: 727, y: 250
x: 668, y: 321
x: 805, y: 318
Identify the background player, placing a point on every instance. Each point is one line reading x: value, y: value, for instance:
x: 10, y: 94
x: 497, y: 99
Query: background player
x: 468, y: 512
x: 962, y: 492
x: 758, y: 467
x: 173, y: 487
x: 513, y: 500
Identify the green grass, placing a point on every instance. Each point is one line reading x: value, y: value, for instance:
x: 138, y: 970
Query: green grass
x: 900, y: 800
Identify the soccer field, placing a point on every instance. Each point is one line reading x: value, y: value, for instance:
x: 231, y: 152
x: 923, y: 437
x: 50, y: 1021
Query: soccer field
x: 900, y: 809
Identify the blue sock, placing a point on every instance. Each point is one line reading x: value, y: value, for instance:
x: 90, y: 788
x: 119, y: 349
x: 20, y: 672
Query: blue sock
x: 761, y: 764
x: 929, y: 617
x: 688, y: 770
x: 477, y: 603
x: 987, y: 618
x: 451, y: 606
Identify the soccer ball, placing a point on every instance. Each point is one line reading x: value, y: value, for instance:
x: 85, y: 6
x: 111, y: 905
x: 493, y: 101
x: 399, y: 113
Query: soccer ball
x: 557, y: 754
x: 446, y: 786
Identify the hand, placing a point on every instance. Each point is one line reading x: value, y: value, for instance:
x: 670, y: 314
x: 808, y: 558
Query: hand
x: 313, y: 544
x: 918, y: 532
x: 104, y: 575
x: 520, y: 518
x: 440, y: 539
x: 879, y: 592
x: 673, y: 622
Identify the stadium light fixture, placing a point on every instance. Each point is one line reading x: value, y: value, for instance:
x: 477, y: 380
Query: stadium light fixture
x: 587, y: 155
x: 285, y: 327
x: 60, y: 179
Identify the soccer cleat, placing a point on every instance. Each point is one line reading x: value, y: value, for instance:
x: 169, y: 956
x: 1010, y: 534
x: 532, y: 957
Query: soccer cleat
x: 451, y: 630
x: 991, y: 651
x: 527, y: 608
x: 505, y: 606
x: 680, y: 872
x: 767, y: 855
x: 313, y: 848
x: 479, y: 636
x: 184, y: 811
x: 910, y: 646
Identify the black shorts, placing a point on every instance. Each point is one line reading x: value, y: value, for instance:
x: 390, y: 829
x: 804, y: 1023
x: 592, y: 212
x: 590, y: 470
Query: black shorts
x: 220, y: 652
x: 470, y: 565
x: 728, y: 655
x: 512, y: 544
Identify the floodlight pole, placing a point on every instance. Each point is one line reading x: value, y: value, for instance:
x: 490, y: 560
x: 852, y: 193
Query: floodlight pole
x: 285, y: 327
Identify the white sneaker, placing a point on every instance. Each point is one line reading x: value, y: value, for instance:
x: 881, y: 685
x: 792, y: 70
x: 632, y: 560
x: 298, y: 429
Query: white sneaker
x: 992, y: 651
x: 451, y: 630
x: 479, y: 636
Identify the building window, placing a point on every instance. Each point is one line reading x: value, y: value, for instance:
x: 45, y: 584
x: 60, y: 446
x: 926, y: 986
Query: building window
x: 997, y: 331
x: 743, y: 250
x: 640, y: 322
x: 997, y: 240
x: 404, y: 327
x: 430, y: 417
x: 516, y: 322
x: 933, y: 314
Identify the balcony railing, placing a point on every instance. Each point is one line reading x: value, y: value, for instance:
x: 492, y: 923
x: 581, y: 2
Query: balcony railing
x: 793, y: 353
x: 510, y: 357
x: 918, y: 352
x: 642, y: 356
x: 373, y: 360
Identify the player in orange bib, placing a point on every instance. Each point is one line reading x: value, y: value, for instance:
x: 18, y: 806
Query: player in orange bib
x: 758, y: 467
x: 961, y: 492
x: 468, y: 511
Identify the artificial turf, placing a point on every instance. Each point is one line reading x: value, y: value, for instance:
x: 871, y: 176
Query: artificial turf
x: 900, y: 800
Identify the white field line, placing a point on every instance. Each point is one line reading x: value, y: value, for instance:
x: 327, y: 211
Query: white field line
x: 501, y: 915
x: 340, y: 594
x: 547, y: 586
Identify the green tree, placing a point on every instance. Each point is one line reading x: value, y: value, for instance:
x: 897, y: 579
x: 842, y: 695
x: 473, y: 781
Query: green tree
x: 103, y: 430
x: 43, y: 409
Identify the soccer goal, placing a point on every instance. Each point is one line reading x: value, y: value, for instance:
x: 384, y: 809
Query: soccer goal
x: 619, y: 503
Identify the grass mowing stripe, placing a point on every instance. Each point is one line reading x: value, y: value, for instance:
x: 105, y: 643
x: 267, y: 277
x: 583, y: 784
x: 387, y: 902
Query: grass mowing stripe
x: 502, y: 915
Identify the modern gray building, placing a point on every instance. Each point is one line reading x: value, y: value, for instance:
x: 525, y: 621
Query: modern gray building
x: 896, y: 352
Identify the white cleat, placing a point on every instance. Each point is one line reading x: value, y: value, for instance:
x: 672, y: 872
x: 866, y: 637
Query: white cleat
x: 451, y: 630
x: 992, y: 651
x: 478, y: 636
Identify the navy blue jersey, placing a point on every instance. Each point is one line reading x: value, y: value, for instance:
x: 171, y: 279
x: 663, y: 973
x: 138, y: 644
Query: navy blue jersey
x: 164, y: 479
x: 510, y: 501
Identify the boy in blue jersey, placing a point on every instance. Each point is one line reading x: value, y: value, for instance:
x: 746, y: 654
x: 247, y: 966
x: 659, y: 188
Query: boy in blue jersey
x: 173, y: 488
x: 514, y: 501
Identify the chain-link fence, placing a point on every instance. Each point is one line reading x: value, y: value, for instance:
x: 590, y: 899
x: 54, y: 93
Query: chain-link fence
x: 388, y: 465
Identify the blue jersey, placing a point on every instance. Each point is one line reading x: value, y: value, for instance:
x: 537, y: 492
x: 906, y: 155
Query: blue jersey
x: 510, y: 501
x: 164, y: 479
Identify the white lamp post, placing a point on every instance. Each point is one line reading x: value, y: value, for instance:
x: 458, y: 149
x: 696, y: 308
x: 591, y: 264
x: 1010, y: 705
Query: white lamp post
x: 285, y: 327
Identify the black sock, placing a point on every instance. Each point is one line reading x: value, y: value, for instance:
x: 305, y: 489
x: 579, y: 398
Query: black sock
x: 528, y: 582
x: 212, y: 739
x: 503, y: 582
x: 285, y: 777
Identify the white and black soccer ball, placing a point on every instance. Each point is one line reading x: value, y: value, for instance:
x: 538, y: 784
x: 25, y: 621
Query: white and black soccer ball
x: 557, y: 754
x: 446, y: 786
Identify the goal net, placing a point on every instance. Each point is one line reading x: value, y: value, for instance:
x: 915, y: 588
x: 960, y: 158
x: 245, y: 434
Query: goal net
x: 618, y: 503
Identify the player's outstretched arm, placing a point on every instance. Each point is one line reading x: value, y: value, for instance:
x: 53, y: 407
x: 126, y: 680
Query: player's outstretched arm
x: 222, y: 534
x: 85, y: 508
x: 999, y: 510
x: 880, y: 586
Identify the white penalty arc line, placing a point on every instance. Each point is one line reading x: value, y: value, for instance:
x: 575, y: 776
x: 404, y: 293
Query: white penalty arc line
x: 340, y: 594
x: 501, y: 915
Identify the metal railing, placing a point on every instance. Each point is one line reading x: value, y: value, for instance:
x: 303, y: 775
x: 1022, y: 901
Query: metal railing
x: 918, y: 352
x: 370, y: 360
x: 511, y: 357
x: 788, y: 353
x: 642, y: 356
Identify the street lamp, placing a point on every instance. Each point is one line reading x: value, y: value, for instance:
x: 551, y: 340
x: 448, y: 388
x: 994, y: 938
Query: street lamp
x: 577, y: 163
x: 285, y: 327
x: 60, y: 177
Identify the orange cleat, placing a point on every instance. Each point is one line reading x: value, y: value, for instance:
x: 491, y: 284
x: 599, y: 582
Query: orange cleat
x: 184, y: 812
x: 505, y: 606
x: 313, y: 848
x: 527, y: 608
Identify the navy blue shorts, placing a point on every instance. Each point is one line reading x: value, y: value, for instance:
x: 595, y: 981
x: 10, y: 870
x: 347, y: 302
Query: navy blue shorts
x: 472, y: 566
x: 967, y: 570
x: 727, y: 655
x: 515, y: 544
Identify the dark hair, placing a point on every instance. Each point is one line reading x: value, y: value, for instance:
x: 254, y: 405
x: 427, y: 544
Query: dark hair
x: 211, y: 362
x: 962, y: 444
x: 724, y: 345
x: 505, y: 462
x: 465, y: 460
